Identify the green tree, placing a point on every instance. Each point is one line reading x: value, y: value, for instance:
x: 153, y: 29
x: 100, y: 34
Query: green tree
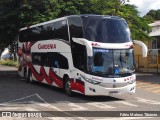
x: 118, y: 4
x: 107, y: 7
x: 154, y: 14
x: 8, y: 20
x: 35, y: 11
x: 21, y: 13
x: 138, y: 25
x: 66, y: 7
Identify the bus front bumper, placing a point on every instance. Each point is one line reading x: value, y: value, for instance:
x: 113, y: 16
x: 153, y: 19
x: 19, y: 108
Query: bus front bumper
x: 96, y: 90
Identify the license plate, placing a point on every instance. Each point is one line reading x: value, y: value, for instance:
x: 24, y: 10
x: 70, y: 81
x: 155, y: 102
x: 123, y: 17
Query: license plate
x: 113, y: 92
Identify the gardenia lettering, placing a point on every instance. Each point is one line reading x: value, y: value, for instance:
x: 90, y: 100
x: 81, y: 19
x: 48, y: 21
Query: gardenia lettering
x: 47, y: 46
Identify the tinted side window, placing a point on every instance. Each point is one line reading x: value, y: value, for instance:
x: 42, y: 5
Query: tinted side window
x: 55, y: 60
x: 75, y: 27
x: 55, y: 30
x: 79, y: 55
x: 38, y: 58
x: 78, y: 51
x: 60, y: 30
x: 63, y: 62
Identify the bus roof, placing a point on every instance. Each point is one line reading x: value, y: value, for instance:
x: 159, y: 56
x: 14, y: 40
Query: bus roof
x: 63, y: 18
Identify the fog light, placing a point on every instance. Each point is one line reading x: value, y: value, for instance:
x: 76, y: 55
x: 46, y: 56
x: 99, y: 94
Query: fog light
x: 132, y: 89
x: 91, y: 89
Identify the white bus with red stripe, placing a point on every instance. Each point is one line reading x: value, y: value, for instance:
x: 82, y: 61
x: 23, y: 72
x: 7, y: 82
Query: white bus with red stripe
x: 88, y: 54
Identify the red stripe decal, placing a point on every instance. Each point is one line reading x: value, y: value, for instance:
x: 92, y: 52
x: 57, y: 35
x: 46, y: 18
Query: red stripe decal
x: 56, y: 79
x: 43, y: 73
x: 77, y: 86
x: 35, y: 73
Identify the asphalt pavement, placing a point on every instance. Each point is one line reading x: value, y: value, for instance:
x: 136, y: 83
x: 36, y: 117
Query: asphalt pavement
x: 19, y: 95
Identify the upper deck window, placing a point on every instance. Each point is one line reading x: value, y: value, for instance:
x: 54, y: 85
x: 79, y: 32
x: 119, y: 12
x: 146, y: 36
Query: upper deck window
x: 75, y: 27
x: 53, y: 30
x: 106, y: 29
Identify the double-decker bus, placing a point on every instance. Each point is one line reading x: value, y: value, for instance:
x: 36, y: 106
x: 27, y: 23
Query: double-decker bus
x: 88, y: 54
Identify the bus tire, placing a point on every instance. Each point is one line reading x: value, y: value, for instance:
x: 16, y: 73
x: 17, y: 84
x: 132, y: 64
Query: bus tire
x: 67, y: 87
x: 30, y: 77
x: 25, y: 75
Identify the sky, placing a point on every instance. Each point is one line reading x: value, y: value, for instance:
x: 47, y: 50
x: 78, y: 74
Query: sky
x: 145, y: 5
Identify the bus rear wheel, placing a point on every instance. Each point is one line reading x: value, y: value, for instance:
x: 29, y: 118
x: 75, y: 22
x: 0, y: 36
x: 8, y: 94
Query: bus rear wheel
x: 30, y: 77
x: 67, y: 87
x: 26, y: 76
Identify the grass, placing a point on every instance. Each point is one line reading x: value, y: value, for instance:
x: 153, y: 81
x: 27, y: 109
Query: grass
x: 9, y: 63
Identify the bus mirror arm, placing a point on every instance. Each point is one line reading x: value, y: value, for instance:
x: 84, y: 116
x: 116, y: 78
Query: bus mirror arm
x: 144, y: 47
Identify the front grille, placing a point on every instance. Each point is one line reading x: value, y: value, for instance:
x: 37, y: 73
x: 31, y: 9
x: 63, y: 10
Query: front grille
x: 113, y: 85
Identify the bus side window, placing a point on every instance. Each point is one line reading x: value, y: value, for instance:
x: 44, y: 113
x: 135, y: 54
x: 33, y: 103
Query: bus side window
x: 75, y: 27
x: 59, y: 61
x: 39, y: 59
x: 55, y: 60
x: 51, y: 58
x: 45, y: 61
x: 79, y: 61
x: 63, y: 62
x: 56, y: 64
x: 36, y: 59
x: 54, y: 30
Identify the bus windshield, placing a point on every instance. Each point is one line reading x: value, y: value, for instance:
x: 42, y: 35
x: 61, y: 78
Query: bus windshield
x: 106, y: 30
x: 111, y: 62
